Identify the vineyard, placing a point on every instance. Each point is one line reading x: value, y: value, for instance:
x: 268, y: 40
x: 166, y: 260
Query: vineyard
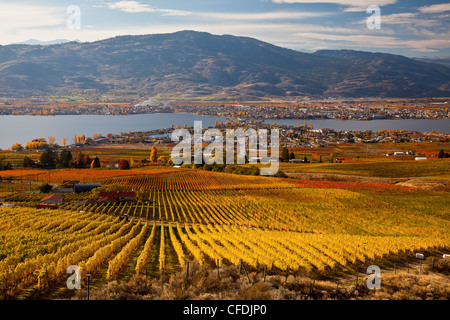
x: 194, y: 180
x: 316, y: 210
x: 215, y: 219
x: 38, y: 246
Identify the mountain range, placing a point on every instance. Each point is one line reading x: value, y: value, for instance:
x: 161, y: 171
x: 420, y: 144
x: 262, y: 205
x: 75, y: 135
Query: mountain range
x: 189, y: 63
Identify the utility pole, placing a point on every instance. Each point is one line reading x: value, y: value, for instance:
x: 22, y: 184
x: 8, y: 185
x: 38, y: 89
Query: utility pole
x: 88, y: 276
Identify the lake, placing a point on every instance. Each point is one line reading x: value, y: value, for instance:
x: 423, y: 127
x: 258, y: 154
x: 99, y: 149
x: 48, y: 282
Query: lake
x: 420, y: 125
x: 22, y: 129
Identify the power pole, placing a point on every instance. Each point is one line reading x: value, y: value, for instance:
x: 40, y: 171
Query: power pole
x: 88, y: 276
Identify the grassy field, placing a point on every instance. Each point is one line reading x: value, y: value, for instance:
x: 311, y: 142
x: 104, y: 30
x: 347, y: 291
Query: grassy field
x: 376, y: 168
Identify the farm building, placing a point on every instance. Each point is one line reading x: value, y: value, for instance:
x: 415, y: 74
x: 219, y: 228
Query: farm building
x: 52, y: 199
x: 85, y: 187
x: 69, y: 183
x: 107, y: 199
x: 63, y: 190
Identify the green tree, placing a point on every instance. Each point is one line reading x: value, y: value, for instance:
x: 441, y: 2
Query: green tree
x: 96, y: 163
x: 48, y: 159
x: 5, y: 166
x: 207, y: 167
x: 79, y: 160
x: 27, y: 162
x: 254, y: 170
x: 291, y: 155
x: 285, y: 154
x: 45, y: 188
x: 280, y: 174
x: 65, y: 158
x: 163, y: 160
x: 441, y: 154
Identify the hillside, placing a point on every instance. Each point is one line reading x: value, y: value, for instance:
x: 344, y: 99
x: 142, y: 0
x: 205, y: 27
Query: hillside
x: 189, y: 63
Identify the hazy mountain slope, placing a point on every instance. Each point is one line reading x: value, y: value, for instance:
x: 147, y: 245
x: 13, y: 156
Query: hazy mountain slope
x: 194, y: 63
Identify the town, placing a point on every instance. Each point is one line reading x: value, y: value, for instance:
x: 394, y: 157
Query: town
x: 357, y: 109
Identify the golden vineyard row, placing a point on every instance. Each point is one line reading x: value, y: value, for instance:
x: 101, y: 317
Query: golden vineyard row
x: 37, y: 246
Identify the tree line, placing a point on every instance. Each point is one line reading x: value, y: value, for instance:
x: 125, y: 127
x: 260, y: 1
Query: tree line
x: 51, y: 159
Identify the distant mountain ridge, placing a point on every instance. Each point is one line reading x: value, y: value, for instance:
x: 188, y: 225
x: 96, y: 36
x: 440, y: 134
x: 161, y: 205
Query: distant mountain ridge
x: 189, y: 63
x: 445, y: 61
x: 45, y: 43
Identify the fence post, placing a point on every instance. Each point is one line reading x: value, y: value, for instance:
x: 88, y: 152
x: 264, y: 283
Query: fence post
x: 245, y: 270
x: 312, y: 287
x: 187, y: 271
x: 337, y: 288
x: 265, y: 270
x: 218, y: 269
x: 240, y: 265
x: 395, y: 271
x: 432, y: 263
x: 420, y: 266
x: 88, y: 277
x: 408, y: 266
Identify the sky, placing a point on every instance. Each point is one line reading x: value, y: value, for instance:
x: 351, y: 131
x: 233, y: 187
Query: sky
x: 414, y: 28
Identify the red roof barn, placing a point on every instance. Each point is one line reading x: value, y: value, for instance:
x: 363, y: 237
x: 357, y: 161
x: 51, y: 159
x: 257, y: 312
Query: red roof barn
x: 52, y: 199
x: 107, y: 199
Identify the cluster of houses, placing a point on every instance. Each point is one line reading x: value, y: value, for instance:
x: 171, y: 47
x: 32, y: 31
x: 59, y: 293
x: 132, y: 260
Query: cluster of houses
x: 355, y: 110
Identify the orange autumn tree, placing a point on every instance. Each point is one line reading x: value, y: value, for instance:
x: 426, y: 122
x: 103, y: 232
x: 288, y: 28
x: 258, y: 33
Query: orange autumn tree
x: 16, y: 147
x: 154, y: 154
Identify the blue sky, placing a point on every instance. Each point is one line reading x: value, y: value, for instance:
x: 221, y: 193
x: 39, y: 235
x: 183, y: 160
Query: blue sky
x: 409, y: 27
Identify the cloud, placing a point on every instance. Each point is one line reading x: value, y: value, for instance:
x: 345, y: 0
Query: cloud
x: 407, y: 19
x: 14, y: 16
x: 137, y: 7
x: 440, y: 41
x: 435, y: 8
x: 273, y: 15
x: 352, y: 5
